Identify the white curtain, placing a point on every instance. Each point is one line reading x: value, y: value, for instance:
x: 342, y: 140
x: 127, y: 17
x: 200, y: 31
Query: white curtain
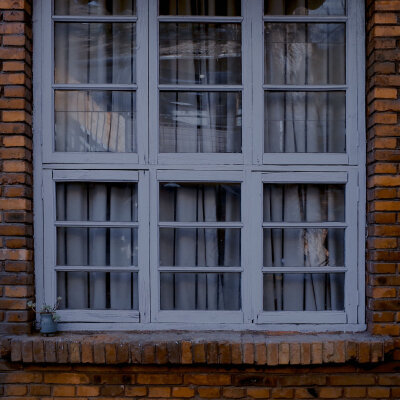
x: 200, y: 122
x: 298, y: 247
x: 200, y: 7
x: 305, y: 7
x: 199, y: 247
x: 97, y: 246
x: 94, y: 53
x: 305, y: 54
x: 97, y: 7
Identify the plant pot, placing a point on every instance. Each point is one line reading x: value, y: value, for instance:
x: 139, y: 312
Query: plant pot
x: 47, y: 325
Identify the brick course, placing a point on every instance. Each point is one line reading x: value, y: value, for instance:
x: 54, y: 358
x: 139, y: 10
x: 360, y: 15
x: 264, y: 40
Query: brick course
x: 189, y: 382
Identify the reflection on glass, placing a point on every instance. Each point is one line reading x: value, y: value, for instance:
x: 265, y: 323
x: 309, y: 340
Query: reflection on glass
x: 89, y: 201
x: 230, y: 8
x: 305, y: 122
x: 200, y: 53
x: 305, y: 7
x: 95, y: 53
x: 200, y: 291
x: 98, y: 290
x: 94, y: 120
x: 197, y: 202
x: 304, y: 203
x: 303, y: 292
x: 300, y: 54
x: 97, y: 246
x: 94, y: 7
x: 303, y: 247
x: 200, y: 122
x: 191, y: 247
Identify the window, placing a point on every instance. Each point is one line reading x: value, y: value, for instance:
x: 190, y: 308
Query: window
x: 201, y: 163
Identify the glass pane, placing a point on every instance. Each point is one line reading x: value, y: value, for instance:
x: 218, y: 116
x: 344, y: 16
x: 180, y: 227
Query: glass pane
x: 230, y: 8
x: 305, y: 7
x: 305, y: 54
x: 95, y: 53
x: 191, y: 247
x: 191, y: 291
x: 94, y: 7
x: 88, y: 201
x: 303, y: 292
x: 197, y: 202
x: 305, y: 122
x: 97, y: 247
x: 300, y: 247
x: 200, y: 122
x: 200, y: 53
x: 95, y: 121
x: 98, y: 290
x: 304, y: 203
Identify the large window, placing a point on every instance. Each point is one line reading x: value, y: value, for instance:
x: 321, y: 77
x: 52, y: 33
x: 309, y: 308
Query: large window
x: 201, y: 163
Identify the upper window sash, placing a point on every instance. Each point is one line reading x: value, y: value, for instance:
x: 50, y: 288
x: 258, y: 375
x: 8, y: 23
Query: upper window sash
x: 348, y: 88
x: 102, y: 125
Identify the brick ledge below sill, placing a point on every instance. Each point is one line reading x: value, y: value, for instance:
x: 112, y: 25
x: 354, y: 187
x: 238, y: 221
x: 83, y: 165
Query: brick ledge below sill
x: 212, y: 348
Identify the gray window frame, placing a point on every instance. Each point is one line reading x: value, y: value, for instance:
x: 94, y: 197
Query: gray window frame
x: 251, y: 168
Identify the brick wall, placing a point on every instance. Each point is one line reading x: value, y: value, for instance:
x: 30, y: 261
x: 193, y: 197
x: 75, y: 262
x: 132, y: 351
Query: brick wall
x: 356, y: 376
x: 16, y: 268
x: 132, y: 382
x: 383, y: 162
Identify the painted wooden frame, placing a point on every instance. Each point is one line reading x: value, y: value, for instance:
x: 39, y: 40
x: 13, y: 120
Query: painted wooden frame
x: 251, y: 168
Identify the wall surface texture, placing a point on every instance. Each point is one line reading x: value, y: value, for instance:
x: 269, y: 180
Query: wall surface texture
x: 118, y: 366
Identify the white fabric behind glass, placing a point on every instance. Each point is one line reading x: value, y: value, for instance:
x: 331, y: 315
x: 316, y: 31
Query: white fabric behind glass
x: 97, y: 7
x: 229, y: 8
x: 92, y: 121
x: 200, y: 247
x: 305, y: 7
x: 194, y: 122
x: 97, y: 246
x: 305, y: 122
x: 299, y: 247
x: 95, y: 121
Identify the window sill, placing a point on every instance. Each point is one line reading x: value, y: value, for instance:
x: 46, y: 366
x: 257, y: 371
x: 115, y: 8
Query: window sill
x: 213, y: 348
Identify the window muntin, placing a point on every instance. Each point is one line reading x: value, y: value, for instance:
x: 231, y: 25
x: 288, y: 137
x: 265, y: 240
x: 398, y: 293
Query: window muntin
x: 234, y: 288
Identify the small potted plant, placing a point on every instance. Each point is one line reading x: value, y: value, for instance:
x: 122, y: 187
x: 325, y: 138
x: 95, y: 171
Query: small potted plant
x: 48, y: 316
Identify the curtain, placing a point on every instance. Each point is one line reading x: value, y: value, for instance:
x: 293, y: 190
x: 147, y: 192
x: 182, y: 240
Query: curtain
x: 300, y: 121
x: 95, y: 53
x: 303, y: 247
x: 98, y: 247
x: 200, y: 247
x: 305, y: 7
x: 200, y: 121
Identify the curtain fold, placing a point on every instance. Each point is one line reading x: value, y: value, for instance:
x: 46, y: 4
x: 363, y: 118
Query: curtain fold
x: 199, y: 247
x: 303, y: 247
x: 97, y: 246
